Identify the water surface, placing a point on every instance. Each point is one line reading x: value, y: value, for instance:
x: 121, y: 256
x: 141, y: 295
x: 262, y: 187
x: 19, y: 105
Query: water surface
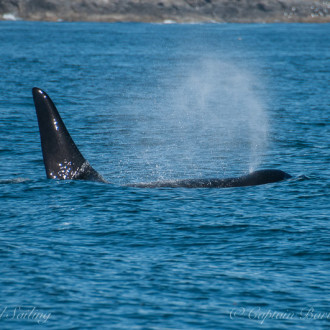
x: 151, y: 102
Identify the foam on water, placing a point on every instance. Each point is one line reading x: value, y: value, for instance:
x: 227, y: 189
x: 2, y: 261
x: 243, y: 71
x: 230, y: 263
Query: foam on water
x: 10, y: 17
x: 16, y: 180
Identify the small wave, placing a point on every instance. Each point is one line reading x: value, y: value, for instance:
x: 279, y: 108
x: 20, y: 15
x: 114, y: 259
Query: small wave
x: 302, y: 178
x: 10, y: 17
x: 169, y: 21
x: 17, y: 180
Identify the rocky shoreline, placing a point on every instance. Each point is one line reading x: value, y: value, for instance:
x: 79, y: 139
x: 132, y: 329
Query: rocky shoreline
x: 181, y: 11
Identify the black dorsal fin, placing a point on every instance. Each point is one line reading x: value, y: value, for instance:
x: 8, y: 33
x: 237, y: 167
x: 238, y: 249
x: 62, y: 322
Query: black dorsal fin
x: 62, y: 158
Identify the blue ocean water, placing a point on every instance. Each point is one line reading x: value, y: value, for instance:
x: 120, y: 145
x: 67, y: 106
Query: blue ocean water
x: 150, y: 102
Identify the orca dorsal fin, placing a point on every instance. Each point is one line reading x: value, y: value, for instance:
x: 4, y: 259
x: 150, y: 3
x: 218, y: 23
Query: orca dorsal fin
x: 62, y: 158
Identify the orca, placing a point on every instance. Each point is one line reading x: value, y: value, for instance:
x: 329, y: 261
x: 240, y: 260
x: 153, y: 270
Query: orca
x: 63, y: 160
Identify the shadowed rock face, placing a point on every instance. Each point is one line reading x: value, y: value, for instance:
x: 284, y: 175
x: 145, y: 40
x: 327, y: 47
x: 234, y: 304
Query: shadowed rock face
x: 161, y: 10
